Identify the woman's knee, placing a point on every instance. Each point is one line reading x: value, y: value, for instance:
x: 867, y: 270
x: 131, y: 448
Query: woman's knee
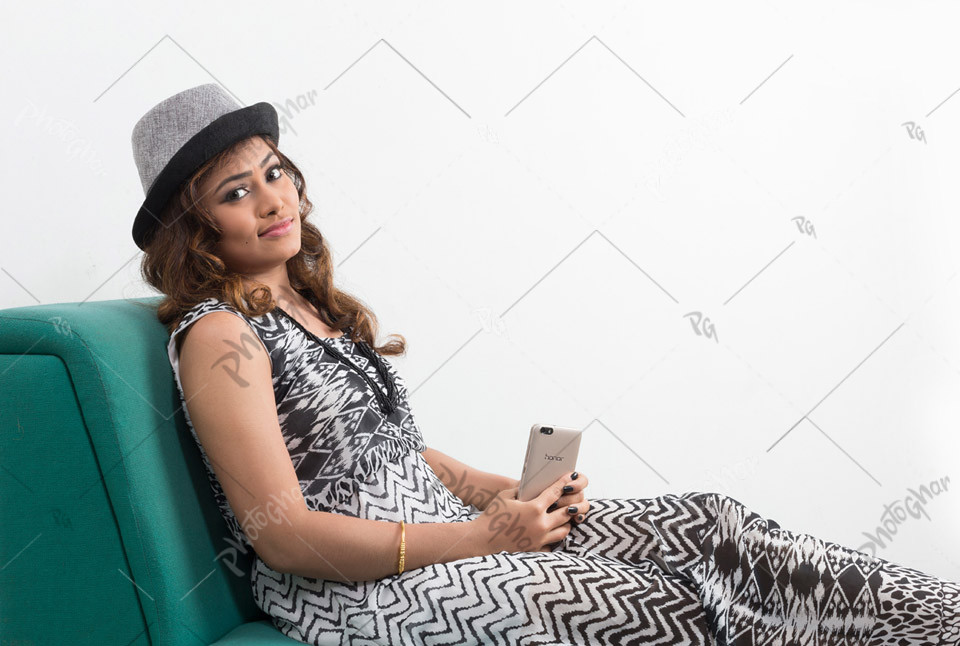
x: 724, y: 506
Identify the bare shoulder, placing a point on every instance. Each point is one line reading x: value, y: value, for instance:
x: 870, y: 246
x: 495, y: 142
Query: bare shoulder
x: 224, y: 330
x: 228, y: 390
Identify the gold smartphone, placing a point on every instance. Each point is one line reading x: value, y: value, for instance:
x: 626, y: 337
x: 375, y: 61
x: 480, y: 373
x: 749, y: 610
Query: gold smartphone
x: 551, y: 452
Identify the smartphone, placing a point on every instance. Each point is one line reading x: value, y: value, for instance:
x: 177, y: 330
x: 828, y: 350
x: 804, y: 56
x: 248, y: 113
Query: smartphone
x: 551, y: 452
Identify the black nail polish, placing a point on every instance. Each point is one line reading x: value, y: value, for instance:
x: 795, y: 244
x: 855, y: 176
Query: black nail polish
x: 579, y: 518
x: 552, y: 507
x: 574, y: 475
x: 567, y: 488
x: 571, y: 509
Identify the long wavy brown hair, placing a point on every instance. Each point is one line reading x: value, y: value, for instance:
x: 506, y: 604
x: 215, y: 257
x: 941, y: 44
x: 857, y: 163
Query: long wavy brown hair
x: 181, y: 261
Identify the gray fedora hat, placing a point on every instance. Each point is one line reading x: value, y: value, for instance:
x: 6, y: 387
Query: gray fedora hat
x: 176, y: 136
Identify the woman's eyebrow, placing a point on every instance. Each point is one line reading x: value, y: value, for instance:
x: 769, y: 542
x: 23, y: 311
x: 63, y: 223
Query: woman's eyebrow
x: 244, y: 174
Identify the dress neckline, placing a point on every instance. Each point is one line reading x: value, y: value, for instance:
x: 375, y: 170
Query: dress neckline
x: 343, y: 333
x: 309, y: 296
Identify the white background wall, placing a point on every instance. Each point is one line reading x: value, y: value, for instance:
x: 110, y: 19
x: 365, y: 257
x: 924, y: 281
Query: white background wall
x: 700, y: 231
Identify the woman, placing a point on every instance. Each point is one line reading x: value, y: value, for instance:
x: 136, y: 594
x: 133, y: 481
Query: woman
x: 361, y: 533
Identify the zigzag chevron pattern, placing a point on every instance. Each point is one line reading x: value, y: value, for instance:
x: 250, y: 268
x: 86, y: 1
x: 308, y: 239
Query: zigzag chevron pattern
x: 690, y: 569
x: 639, y: 571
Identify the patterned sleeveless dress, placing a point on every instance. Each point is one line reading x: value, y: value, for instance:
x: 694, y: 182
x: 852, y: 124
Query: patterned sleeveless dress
x: 692, y: 569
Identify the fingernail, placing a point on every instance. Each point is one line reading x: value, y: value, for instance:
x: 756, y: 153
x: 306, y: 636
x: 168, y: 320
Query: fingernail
x: 552, y: 507
x: 567, y: 488
x: 571, y: 509
x: 574, y: 475
x: 579, y: 518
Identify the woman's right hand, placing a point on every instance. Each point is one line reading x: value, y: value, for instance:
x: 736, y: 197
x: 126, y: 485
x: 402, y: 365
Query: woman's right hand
x: 515, y: 526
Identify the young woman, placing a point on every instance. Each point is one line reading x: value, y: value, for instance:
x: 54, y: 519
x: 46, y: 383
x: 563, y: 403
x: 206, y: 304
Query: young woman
x: 364, y: 535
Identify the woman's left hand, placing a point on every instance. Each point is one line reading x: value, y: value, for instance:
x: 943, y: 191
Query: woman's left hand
x: 574, y: 498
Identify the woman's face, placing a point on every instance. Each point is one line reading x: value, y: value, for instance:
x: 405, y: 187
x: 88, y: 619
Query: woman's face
x: 247, y: 196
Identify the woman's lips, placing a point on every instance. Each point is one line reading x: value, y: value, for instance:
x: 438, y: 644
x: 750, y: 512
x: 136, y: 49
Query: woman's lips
x: 278, y: 230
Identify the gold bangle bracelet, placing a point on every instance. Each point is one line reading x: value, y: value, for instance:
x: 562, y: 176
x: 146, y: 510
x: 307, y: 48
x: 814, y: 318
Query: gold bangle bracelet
x: 403, y: 548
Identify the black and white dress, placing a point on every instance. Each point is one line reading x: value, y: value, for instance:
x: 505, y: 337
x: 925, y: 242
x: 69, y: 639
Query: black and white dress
x: 694, y: 568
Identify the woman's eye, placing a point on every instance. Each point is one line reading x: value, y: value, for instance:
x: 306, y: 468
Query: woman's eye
x: 232, y: 199
x: 275, y: 167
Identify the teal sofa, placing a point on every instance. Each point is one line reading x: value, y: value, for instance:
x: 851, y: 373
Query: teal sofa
x: 109, y: 532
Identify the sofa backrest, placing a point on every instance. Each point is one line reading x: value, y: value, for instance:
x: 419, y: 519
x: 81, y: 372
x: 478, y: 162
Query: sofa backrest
x: 109, y: 532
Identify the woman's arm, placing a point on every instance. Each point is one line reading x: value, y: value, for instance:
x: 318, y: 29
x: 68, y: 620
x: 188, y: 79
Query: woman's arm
x: 472, y: 486
x: 335, y: 546
x: 367, y: 549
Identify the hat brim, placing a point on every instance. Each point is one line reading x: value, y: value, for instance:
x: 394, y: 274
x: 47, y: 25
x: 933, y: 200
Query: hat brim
x: 219, y: 134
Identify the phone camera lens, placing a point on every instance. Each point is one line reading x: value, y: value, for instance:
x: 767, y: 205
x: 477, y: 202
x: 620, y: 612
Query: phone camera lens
x: 546, y: 430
